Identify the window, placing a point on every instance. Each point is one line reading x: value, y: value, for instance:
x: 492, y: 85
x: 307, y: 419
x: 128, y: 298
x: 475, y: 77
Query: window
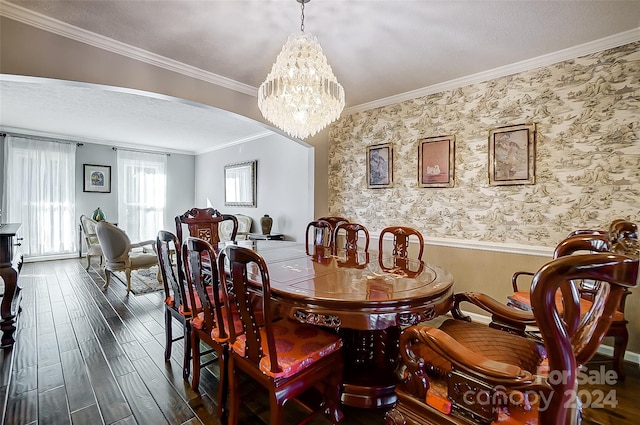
x: 40, y: 193
x: 141, y: 186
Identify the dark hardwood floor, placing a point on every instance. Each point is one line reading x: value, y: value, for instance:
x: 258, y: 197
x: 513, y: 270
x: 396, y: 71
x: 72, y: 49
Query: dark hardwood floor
x: 85, y: 355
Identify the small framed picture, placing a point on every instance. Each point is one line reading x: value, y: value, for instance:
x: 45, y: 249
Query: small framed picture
x: 97, y: 178
x: 512, y: 155
x: 436, y: 161
x: 380, y: 166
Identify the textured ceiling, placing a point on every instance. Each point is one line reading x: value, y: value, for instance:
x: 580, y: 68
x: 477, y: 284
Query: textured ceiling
x: 377, y: 48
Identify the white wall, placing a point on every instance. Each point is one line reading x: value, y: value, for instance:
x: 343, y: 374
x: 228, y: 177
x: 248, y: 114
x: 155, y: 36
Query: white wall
x: 285, y: 180
x: 180, y: 184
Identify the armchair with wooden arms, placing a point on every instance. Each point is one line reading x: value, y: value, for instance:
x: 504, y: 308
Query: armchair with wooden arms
x: 468, y: 373
x: 620, y: 231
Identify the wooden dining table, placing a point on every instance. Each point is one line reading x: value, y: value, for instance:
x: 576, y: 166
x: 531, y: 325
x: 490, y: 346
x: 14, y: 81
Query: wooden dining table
x: 366, y: 298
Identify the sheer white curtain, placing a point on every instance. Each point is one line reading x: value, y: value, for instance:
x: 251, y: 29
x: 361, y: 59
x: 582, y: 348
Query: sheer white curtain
x: 142, y: 182
x: 39, y: 191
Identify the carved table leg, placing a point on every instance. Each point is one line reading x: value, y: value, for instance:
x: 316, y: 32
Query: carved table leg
x: 11, y: 290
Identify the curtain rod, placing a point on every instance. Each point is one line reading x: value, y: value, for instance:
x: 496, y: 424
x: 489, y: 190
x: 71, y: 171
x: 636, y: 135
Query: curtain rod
x: 43, y: 138
x: 115, y: 148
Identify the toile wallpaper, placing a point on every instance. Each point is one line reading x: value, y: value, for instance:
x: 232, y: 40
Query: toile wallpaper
x: 587, y: 171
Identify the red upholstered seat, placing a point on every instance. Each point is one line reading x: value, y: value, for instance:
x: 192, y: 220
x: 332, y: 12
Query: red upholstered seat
x: 297, y: 345
x: 524, y: 299
x: 185, y: 308
x: 198, y: 322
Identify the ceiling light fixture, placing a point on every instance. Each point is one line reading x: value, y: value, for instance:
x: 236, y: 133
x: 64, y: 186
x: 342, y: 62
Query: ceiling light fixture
x: 301, y: 96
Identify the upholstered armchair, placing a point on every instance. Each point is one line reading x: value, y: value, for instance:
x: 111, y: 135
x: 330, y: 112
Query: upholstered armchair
x: 225, y: 228
x: 119, y: 255
x: 91, y: 238
x: 466, y: 373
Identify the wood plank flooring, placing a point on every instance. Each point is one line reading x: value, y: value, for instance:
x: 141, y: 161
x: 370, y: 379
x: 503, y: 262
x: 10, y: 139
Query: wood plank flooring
x: 85, y: 355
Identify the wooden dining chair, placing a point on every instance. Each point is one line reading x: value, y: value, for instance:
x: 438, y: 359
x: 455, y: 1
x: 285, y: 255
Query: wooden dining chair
x: 203, y: 223
x: 285, y: 357
x: 177, y: 305
x: 209, y: 325
x: 465, y: 372
x: 402, y: 236
x: 346, y: 236
x: 589, y: 241
x: 320, y: 233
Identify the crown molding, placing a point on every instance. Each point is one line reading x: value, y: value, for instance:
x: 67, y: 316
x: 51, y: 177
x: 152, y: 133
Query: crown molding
x: 599, y: 45
x: 55, y: 26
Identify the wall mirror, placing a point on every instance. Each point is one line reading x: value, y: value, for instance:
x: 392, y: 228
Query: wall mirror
x: 240, y: 184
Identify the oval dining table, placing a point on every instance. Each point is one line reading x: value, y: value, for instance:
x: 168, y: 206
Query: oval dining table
x: 366, y: 298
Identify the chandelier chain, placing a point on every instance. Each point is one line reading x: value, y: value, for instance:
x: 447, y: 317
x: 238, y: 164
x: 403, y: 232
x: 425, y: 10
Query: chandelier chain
x: 302, y: 16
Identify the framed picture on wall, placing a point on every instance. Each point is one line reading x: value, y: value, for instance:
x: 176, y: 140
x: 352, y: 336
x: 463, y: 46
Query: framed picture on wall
x: 436, y: 161
x: 512, y: 155
x: 97, y: 178
x: 380, y: 166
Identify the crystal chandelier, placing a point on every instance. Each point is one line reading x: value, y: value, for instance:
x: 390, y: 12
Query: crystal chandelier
x: 301, y: 96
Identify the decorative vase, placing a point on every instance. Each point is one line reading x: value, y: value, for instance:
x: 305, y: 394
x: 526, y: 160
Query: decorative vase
x: 266, y: 222
x: 98, y: 215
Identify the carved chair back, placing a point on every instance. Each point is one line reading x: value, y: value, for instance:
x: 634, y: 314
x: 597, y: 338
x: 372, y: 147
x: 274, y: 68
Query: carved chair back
x: 402, y: 236
x: 346, y: 237
x: 334, y: 221
x: 203, y: 224
x: 168, y: 248
x: 321, y: 233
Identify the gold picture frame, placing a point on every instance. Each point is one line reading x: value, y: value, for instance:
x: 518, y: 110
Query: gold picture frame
x: 512, y: 155
x: 436, y: 161
x: 380, y: 166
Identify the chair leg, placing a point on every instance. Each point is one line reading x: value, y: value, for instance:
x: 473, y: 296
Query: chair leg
x: 234, y: 393
x: 168, y: 332
x: 223, y: 388
x: 186, y: 365
x: 276, y: 406
x: 195, y: 358
x: 620, y: 342
x: 332, y: 398
x: 128, y: 273
x: 107, y: 275
x: 88, y: 262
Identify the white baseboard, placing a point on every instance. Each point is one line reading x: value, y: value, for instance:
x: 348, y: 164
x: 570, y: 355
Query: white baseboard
x: 51, y: 257
x: 603, y: 349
